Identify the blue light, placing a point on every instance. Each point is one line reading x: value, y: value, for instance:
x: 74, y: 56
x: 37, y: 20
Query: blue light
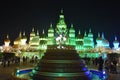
x: 104, y: 72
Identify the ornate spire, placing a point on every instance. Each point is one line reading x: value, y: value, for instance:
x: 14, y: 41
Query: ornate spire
x: 24, y: 33
x: 115, y: 38
x: 51, y: 25
x: 20, y: 34
x: 37, y: 32
x: 7, y: 36
x: 85, y: 34
x: 61, y: 14
x: 98, y: 34
x: 33, y: 29
x: 61, y: 11
x: 90, y: 30
x: 43, y: 31
x: 79, y: 32
x: 71, y: 25
x: 103, y: 36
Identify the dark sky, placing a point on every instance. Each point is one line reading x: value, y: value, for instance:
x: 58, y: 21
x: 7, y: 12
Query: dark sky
x: 100, y: 16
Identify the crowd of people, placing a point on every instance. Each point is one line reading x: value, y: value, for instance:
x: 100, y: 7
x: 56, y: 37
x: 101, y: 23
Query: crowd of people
x: 108, y: 64
x: 102, y: 64
x: 17, y: 60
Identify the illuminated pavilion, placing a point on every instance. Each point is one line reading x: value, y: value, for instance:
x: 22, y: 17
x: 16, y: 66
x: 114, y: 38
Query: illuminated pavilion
x: 37, y: 44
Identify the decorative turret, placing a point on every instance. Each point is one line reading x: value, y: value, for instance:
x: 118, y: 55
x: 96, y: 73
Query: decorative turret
x: 90, y: 33
x: 51, y: 37
x: 79, y: 41
x: 99, y: 40
x: 17, y: 40
x: 105, y: 42
x: 85, y: 34
x: 37, y: 33
x: 32, y: 34
x: 72, y: 31
x: 23, y: 39
x: 79, y: 36
x: 43, y: 41
x: 35, y: 41
x: 61, y: 25
x: 116, y: 43
x: 7, y: 41
x: 51, y: 31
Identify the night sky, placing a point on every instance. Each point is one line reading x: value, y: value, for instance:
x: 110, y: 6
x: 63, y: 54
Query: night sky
x: 100, y: 16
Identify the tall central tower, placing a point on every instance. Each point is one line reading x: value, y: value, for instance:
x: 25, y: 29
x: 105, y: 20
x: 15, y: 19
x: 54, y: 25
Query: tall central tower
x: 61, y: 30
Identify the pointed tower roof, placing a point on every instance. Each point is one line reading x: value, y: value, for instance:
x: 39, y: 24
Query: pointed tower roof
x: 43, y: 34
x: 79, y: 35
x: 20, y: 34
x: 99, y: 38
x: 33, y: 29
x: 116, y: 41
x: 43, y: 31
x: 103, y: 36
x: 85, y: 34
x: 61, y: 19
x: 24, y: 36
x: 32, y: 34
x: 37, y: 32
x: 19, y: 37
x: 61, y: 14
x: 90, y: 33
x: 51, y: 28
x: 90, y: 30
x: 7, y: 39
x: 72, y: 28
x: 79, y: 32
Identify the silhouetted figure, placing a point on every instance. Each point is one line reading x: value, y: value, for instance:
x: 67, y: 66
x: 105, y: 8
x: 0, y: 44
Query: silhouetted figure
x: 113, y: 67
x: 100, y: 64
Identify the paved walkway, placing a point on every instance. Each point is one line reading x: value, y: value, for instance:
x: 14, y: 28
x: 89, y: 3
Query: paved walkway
x: 6, y: 72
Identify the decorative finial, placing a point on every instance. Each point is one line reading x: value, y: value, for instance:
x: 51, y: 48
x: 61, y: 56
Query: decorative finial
x: 24, y: 33
x: 98, y: 34
x: 43, y: 31
x: 71, y: 25
x: 7, y: 36
x: 37, y: 32
x: 51, y: 25
x: 33, y: 29
x: 61, y: 11
x: 90, y: 30
x: 115, y: 38
x: 20, y: 34
x: 79, y: 32
x: 103, y: 36
x: 85, y: 34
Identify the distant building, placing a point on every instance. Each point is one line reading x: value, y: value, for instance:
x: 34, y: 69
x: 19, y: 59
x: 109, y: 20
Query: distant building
x: 60, y: 35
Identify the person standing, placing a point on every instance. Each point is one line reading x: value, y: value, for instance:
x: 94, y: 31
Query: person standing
x: 100, y: 64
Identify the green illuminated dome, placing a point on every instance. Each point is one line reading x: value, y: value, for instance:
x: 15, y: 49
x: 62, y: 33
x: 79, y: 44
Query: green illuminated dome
x: 90, y: 33
x: 61, y: 64
x: 72, y: 30
x: 50, y: 29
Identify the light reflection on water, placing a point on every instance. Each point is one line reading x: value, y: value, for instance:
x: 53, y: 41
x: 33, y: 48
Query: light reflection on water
x: 96, y: 75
